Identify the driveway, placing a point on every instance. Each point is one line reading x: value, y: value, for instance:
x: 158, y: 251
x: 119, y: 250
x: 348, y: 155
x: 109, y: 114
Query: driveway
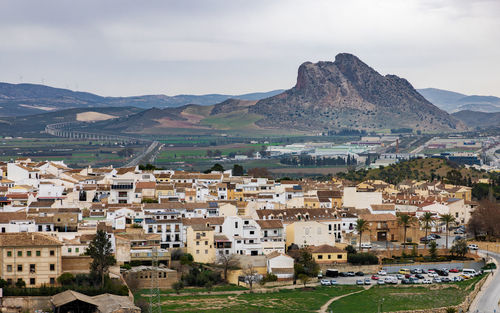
x: 487, y: 300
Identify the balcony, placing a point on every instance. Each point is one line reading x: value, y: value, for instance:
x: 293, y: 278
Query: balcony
x: 146, y: 255
x: 122, y: 187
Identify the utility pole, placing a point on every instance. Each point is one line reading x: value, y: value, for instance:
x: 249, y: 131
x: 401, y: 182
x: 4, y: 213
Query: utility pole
x: 154, y: 293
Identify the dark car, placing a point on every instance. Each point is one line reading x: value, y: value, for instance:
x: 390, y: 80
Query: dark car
x: 425, y: 239
x: 360, y: 274
x: 420, y: 276
x: 406, y: 281
x: 436, y: 236
x: 350, y: 274
x: 424, y: 271
x: 442, y: 272
x: 343, y: 274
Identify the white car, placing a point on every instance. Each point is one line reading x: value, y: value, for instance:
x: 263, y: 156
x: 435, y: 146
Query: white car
x: 382, y: 273
x: 390, y: 280
x: 325, y: 282
x: 366, y: 245
x: 436, y: 280
x: 433, y: 275
x: 473, y: 247
x: 400, y: 276
x: 427, y: 281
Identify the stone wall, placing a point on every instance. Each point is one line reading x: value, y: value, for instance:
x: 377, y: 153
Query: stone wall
x: 76, y: 264
x: 25, y: 304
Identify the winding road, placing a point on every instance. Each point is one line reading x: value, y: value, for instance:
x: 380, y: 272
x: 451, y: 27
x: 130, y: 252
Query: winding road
x: 487, y: 300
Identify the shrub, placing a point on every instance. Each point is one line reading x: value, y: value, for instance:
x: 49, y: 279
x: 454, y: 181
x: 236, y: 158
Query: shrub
x: 66, y: 279
x: 177, y: 286
x: 364, y: 258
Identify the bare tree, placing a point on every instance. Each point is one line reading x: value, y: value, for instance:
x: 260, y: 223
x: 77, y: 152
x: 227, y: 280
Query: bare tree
x: 251, y: 275
x: 228, y: 261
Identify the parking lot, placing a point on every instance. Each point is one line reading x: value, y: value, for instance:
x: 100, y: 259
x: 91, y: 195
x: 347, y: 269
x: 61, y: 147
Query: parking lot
x: 425, y: 278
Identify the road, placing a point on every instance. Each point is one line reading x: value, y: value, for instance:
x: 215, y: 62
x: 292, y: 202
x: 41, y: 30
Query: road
x: 487, y: 300
x: 148, y: 155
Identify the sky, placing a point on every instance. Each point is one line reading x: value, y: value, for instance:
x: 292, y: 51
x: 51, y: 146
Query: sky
x: 123, y: 48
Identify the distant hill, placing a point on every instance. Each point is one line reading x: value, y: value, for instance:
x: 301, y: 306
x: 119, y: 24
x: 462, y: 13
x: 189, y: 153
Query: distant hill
x: 28, y: 99
x: 478, y: 119
x: 453, y: 101
x: 34, y: 125
x: 348, y: 93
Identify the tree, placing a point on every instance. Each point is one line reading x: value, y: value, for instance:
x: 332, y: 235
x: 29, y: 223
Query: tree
x: 178, y: 286
x: 459, y: 248
x: 406, y: 221
x: 228, y: 261
x: 100, y: 251
x: 237, y: 170
x: 20, y: 283
x: 305, y: 264
x: 251, y: 275
x: 433, y: 250
x: 215, y: 168
x: 66, y: 279
x: 361, y: 226
x: 448, y: 220
x: 426, y: 222
x: 304, y: 279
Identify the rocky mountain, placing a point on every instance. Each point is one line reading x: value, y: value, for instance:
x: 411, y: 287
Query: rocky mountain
x: 453, y: 101
x: 28, y: 99
x: 348, y: 93
x: 475, y: 119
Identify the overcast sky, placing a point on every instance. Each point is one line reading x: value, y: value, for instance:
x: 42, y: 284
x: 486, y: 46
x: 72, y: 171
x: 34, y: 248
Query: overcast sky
x: 123, y: 48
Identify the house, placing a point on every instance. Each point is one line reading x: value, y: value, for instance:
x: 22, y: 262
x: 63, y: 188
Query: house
x: 360, y: 199
x: 328, y: 254
x: 308, y: 233
x: 272, y: 236
x: 31, y: 257
x: 200, y: 243
x: 281, y: 265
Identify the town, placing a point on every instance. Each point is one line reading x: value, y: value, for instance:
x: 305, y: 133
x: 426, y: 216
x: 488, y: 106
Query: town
x: 176, y: 230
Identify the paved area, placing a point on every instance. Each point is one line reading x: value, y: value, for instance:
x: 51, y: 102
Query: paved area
x: 487, y: 300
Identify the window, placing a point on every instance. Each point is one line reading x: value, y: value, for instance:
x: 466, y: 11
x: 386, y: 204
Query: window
x: 9, y: 253
x: 19, y: 268
x: 197, y: 243
x: 38, y: 253
x: 329, y: 256
x: 9, y: 268
x: 40, y: 228
x: 320, y: 257
x: 252, y: 232
x: 246, y: 222
x: 339, y: 256
x: 206, y: 251
x: 32, y: 268
x: 19, y: 253
x: 52, y: 253
x: 52, y: 267
x: 235, y: 224
x: 28, y: 253
x: 32, y: 281
x: 206, y: 243
x: 197, y: 251
x: 77, y: 250
x: 52, y: 281
x: 69, y: 250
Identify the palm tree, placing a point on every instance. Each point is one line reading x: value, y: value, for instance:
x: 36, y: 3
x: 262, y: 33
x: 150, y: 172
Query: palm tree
x: 361, y: 226
x: 447, y: 219
x: 426, y: 221
x: 406, y: 221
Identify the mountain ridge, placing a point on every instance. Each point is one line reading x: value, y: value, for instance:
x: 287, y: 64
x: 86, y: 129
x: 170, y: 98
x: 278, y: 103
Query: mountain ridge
x: 451, y: 101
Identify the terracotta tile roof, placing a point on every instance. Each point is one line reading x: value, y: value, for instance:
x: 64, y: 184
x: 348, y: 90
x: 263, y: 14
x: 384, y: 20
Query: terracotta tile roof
x: 203, y: 221
x: 6, y: 217
x: 270, y: 224
x: 326, y: 249
x: 139, y: 186
x: 383, y: 207
x: 378, y: 217
x: 27, y: 240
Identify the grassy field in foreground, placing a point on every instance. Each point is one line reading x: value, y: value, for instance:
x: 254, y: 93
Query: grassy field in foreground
x: 297, y: 300
x: 405, y: 298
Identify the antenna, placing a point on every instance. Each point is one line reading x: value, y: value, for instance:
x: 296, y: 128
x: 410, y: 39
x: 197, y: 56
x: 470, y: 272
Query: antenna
x: 154, y: 293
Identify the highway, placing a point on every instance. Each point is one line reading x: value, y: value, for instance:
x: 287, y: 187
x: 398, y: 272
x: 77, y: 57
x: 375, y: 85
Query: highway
x: 487, y: 300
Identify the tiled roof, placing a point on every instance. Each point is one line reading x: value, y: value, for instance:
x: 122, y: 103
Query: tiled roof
x: 27, y: 240
x: 270, y: 224
x: 325, y: 249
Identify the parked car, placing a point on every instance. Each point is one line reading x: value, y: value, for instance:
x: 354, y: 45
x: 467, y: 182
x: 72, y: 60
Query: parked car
x: 359, y: 282
x: 424, y: 271
x: 436, y: 280
x: 432, y: 274
x: 419, y: 276
x: 414, y: 280
x: 442, y: 272
x: 400, y: 277
x: 391, y: 280
x: 382, y: 273
x: 333, y: 282
x: 454, y: 270
x: 457, y: 278
x: 366, y: 245
x: 343, y: 274
x: 360, y: 274
x: 436, y: 236
x: 445, y: 279
x: 350, y: 274
x: 368, y: 281
x: 473, y: 247
x: 406, y: 281
x: 404, y: 271
x: 380, y: 282
x: 375, y: 277
x: 427, y: 281
x: 325, y: 282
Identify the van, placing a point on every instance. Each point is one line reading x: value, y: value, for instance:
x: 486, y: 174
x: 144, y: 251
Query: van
x: 366, y: 245
x: 469, y: 272
x: 404, y: 271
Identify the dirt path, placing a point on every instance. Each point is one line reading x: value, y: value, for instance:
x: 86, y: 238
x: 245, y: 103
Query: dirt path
x: 325, y: 306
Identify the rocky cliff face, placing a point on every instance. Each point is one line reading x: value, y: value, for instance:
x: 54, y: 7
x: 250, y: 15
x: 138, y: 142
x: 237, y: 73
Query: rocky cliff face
x: 348, y: 93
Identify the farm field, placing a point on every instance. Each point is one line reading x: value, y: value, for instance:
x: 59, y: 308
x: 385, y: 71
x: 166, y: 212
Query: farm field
x: 408, y: 297
x: 288, y: 300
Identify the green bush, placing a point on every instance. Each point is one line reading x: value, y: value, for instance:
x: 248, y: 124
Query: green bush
x: 66, y: 279
x: 364, y: 258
